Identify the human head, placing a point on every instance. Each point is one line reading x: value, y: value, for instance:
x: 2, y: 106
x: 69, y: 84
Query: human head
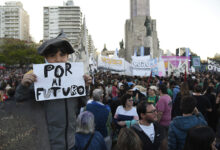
x: 125, y: 99
x: 188, y: 104
x: 97, y: 94
x: 163, y: 89
x: 85, y: 122
x: 60, y: 45
x: 115, y: 83
x: 128, y: 140
x: 11, y: 92
x: 200, y: 138
x: 121, y: 86
x: 152, y: 90
x: 146, y: 111
x: 130, y: 91
x: 198, y: 89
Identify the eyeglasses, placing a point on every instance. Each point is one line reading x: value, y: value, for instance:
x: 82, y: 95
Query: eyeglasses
x: 153, y: 111
x: 130, y: 100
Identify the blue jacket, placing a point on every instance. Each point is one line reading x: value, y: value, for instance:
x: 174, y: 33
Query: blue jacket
x: 176, y: 90
x: 103, y: 117
x: 178, y: 130
x: 97, y: 142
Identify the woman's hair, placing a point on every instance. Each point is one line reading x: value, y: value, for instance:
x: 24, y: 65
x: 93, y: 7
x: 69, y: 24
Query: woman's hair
x: 124, y: 99
x: 184, y: 89
x: 199, y: 138
x: 85, y: 122
x: 128, y: 140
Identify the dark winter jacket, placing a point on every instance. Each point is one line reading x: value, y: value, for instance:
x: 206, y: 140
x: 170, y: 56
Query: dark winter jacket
x: 178, y: 130
x: 60, y: 117
x: 146, y: 142
x: 97, y: 142
x: 23, y: 126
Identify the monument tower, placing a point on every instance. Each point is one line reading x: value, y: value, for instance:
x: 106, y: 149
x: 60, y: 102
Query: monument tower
x: 140, y: 31
x: 140, y: 8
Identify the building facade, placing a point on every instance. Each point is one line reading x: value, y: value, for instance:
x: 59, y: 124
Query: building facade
x: 67, y: 18
x: 14, y: 21
x: 140, y: 31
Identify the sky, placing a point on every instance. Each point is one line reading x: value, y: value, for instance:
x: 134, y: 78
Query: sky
x: 180, y: 23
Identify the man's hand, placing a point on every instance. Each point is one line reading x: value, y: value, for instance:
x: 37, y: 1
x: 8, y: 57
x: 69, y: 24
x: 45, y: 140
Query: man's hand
x: 88, y: 79
x: 121, y: 123
x: 28, y: 79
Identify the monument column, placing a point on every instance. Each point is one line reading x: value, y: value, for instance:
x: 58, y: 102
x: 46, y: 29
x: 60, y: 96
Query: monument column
x: 140, y: 8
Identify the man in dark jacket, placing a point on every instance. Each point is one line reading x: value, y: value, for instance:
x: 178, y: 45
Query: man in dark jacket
x: 150, y: 132
x: 181, y: 124
x: 61, y: 113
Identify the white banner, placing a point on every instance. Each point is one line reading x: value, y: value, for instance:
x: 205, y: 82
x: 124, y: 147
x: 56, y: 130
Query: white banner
x: 213, y: 66
x: 112, y: 64
x: 59, y: 80
x: 141, y: 66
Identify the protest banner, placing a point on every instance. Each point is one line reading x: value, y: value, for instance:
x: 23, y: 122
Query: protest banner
x: 111, y: 64
x: 177, y: 70
x: 213, y: 66
x: 141, y: 66
x: 175, y: 60
x: 161, y: 68
x: 59, y: 80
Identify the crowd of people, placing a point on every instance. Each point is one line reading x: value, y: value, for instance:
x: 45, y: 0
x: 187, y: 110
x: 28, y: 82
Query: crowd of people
x: 9, y: 79
x: 124, y: 112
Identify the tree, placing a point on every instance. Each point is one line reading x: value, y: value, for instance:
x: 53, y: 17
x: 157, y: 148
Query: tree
x: 217, y: 57
x: 14, y: 51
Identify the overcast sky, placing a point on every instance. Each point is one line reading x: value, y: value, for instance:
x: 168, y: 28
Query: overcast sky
x: 180, y: 23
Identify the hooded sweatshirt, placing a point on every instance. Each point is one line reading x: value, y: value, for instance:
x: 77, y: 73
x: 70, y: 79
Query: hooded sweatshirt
x: 178, y: 130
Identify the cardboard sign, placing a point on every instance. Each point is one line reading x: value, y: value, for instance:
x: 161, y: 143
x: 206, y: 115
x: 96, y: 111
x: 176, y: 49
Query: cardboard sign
x: 59, y: 80
x: 196, y: 61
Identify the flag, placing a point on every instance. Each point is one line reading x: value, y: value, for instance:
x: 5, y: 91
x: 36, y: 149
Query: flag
x: 116, y: 53
x: 142, y: 51
x: 185, y: 76
x: 135, y: 52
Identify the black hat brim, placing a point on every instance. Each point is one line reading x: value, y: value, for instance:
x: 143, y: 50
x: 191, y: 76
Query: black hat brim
x: 57, y: 43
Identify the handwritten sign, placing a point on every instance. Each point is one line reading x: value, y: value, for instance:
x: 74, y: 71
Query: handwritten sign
x: 59, y: 80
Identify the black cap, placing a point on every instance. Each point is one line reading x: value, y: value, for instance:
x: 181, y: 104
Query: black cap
x: 59, y: 41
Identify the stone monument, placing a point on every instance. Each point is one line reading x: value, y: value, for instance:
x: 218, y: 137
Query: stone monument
x: 140, y: 30
x: 122, y: 49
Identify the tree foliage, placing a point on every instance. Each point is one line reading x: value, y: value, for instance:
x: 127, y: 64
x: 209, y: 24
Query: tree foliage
x: 13, y: 52
x: 217, y: 57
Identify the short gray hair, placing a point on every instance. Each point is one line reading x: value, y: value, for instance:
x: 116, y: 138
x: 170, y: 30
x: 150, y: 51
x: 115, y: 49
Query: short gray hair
x: 97, y: 94
x: 85, y: 122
